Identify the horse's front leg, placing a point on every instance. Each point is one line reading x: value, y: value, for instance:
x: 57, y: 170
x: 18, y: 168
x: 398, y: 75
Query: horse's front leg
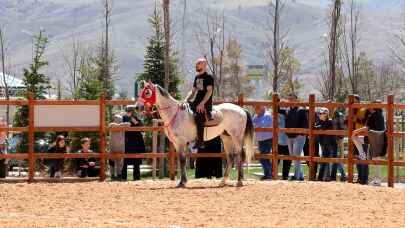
x: 183, y: 173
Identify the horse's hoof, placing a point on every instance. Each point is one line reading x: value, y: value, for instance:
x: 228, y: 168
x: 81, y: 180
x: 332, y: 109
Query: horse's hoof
x: 181, y: 185
x: 222, y: 184
x: 239, y: 184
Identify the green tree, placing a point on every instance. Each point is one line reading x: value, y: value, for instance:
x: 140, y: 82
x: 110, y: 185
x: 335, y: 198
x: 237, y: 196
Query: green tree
x: 36, y: 83
x: 154, y: 58
x: 104, y: 70
x: 234, y: 82
x: 289, y: 67
x: 90, y: 87
x: 366, y: 75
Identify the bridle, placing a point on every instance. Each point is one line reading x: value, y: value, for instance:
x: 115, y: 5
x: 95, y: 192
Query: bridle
x: 149, y: 95
x: 172, y: 120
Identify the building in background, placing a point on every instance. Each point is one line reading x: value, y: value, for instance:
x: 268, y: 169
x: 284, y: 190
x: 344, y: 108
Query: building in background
x: 15, y: 87
x: 258, y: 76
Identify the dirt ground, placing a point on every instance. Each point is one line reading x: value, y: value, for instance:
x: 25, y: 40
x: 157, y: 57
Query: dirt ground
x: 201, y: 204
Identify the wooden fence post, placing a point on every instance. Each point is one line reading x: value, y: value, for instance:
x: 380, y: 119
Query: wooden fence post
x: 312, y: 167
x: 390, y: 136
x: 240, y: 99
x: 350, y: 141
x: 162, y: 146
x: 275, y: 101
x: 102, y: 143
x: 31, y: 139
x: 172, y: 162
x: 154, y: 147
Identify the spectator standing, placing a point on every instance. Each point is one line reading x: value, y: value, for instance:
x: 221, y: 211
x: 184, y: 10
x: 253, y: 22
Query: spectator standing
x: 359, y: 121
x: 56, y: 165
x: 374, y: 134
x: 117, y: 145
x: 133, y: 144
x: 328, y: 143
x: 338, y: 124
x: 296, y: 117
x: 283, y: 147
x: 209, y: 167
x: 263, y: 119
x: 3, y: 145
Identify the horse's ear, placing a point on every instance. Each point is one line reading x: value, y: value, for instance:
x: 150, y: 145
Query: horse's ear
x: 142, y: 84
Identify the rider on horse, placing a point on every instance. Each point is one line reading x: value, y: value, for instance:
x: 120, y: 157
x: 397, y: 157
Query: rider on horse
x: 202, y: 92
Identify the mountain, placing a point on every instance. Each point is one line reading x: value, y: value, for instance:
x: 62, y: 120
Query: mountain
x: 65, y: 20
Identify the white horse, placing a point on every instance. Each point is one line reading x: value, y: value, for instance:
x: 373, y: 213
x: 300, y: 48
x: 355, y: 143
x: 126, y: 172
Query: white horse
x: 235, y: 129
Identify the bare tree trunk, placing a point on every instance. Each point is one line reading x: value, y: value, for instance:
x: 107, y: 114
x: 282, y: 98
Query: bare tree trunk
x: 277, y: 41
x: 354, y: 41
x: 213, y: 62
x: 3, y: 65
x: 106, y: 44
x: 166, y: 11
x: 221, y: 63
x: 73, y: 63
x: 183, y: 38
x: 59, y: 90
x: 334, y: 47
x: 276, y: 45
x: 351, y: 55
x: 211, y: 40
x: 221, y: 57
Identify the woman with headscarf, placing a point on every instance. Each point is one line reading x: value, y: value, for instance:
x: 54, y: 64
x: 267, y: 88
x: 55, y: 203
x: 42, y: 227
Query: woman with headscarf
x: 133, y: 143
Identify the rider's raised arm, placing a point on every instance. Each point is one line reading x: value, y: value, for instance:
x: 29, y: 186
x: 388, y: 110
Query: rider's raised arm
x: 191, y: 94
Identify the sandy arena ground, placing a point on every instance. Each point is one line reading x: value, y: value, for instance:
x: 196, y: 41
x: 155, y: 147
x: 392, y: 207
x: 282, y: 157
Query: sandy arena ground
x: 202, y: 204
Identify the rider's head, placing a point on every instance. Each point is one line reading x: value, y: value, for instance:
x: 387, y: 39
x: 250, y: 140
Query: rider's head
x: 201, y: 65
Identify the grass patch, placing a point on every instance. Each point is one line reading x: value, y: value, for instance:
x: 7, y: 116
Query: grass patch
x: 249, y: 172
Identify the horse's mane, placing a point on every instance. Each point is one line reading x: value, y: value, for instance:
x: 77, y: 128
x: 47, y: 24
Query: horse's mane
x: 166, y: 94
x: 163, y: 92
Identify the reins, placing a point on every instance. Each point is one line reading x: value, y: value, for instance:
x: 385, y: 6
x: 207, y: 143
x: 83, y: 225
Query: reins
x: 171, y: 122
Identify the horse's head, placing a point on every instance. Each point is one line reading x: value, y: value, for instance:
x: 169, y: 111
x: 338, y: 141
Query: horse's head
x: 148, y: 94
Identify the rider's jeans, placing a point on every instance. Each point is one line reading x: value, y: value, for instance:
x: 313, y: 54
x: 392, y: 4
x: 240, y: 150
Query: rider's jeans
x: 265, y: 147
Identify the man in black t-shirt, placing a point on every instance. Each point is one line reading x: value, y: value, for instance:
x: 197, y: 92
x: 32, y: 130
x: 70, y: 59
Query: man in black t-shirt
x: 201, y: 105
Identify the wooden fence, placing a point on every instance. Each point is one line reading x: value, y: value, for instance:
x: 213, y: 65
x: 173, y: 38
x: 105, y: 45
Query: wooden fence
x: 389, y: 106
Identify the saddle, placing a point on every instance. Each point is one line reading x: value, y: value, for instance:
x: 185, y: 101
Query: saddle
x: 216, y: 118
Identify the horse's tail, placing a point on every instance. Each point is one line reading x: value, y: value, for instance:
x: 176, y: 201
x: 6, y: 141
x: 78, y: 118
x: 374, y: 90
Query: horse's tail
x: 249, y: 138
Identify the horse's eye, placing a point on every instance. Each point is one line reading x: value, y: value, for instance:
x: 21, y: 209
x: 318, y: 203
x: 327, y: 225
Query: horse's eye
x: 148, y: 93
